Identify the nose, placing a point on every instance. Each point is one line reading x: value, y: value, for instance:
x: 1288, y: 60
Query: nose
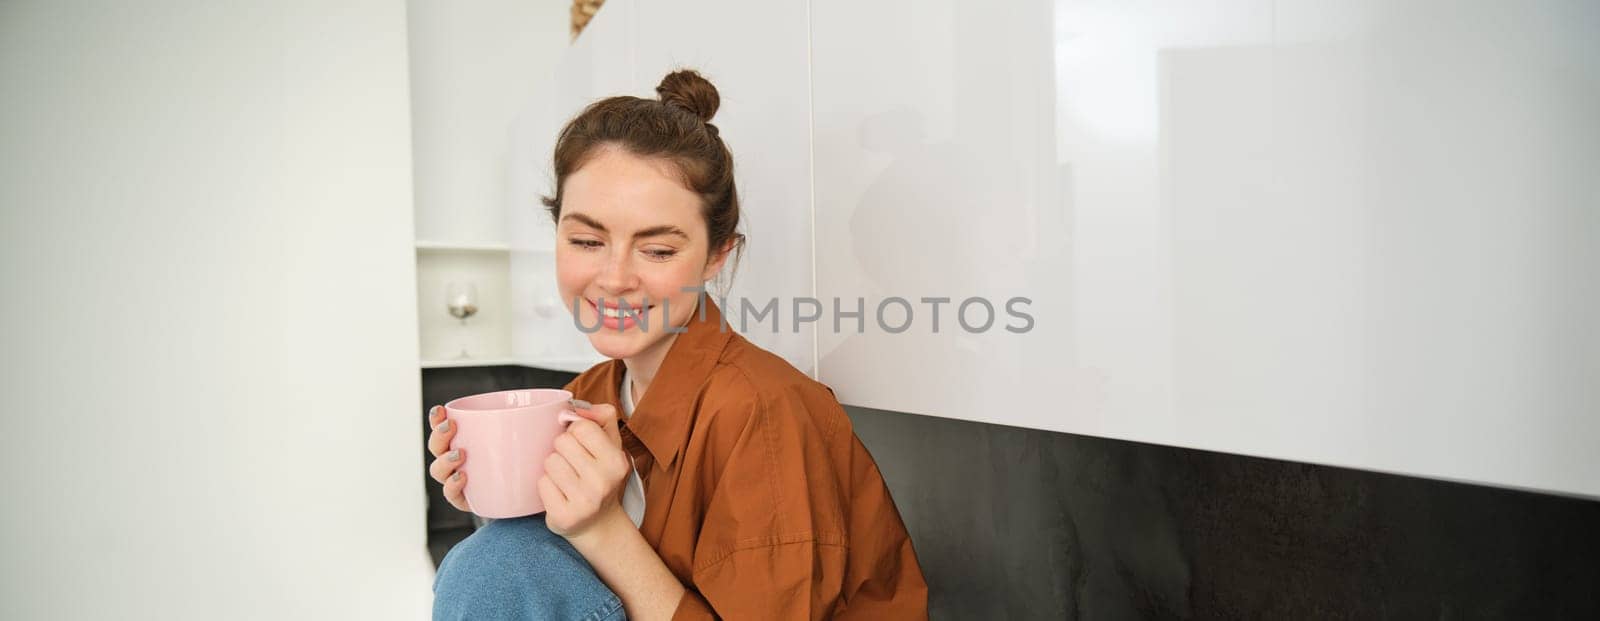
x: 618, y: 276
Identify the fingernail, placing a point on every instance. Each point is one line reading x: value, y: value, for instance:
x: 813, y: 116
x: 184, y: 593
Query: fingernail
x: 454, y: 455
x: 444, y: 426
x: 456, y: 476
x: 580, y: 403
x: 434, y: 411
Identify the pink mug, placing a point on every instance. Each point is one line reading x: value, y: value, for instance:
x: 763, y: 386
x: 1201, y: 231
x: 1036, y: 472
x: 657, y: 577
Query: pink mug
x: 506, y: 436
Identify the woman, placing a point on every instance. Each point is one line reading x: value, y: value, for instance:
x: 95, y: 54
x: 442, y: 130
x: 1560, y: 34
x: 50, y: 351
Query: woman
x: 729, y: 484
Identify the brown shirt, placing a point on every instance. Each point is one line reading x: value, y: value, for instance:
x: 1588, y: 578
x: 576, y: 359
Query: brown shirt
x: 758, y: 495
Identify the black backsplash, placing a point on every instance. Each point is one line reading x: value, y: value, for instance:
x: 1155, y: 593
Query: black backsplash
x: 1013, y: 523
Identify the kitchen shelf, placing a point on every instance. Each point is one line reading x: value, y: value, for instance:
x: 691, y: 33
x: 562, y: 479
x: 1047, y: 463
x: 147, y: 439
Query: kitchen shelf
x: 469, y: 362
x: 570, y: 365
x: 428, y: 246
x: 431, y: 246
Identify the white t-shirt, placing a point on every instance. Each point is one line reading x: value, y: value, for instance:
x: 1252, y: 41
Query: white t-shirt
x: 633, y: 488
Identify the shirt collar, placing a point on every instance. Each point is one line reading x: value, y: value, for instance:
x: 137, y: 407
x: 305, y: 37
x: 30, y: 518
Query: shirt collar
x: 663, y: 416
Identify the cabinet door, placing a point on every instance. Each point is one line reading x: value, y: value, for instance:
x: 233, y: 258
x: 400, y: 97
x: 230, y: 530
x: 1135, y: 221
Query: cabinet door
x: 759, y: 69
x: 1358, y: 234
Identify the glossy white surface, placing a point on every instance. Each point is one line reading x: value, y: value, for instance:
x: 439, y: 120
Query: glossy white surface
x: 759, y: 68
x: 467, y: 70
x: 1358, y: 234
x: 1348, y: 233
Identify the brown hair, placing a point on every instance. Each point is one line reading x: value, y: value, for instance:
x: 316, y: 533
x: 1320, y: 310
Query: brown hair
x: 675, y: 128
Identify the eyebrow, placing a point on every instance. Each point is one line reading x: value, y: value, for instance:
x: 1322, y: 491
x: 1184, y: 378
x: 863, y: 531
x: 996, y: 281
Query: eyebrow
x: 664, y: 229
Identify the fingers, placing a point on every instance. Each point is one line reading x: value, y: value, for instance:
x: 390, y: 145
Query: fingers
x: 560, y: 472
x: 604, y: 415
x: 455, y: 491
x: 550, y: 494
x: 443, y: 431
x: 591, y: 436
x: 446, y: 469
x: 606, y: 448
x: 446, y: 465
x: 569, y: 447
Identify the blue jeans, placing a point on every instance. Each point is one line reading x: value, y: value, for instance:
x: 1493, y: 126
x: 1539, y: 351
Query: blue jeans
x: 517, y: 569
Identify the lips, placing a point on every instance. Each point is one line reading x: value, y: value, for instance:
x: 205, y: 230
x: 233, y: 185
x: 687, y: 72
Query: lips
x: 615, y: 309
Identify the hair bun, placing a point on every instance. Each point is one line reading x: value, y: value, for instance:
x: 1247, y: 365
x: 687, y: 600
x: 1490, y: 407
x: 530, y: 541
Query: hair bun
x: 686, y: 89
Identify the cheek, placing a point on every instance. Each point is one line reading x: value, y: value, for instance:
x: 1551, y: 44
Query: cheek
x: 669, y: 284
x: 573, y: 273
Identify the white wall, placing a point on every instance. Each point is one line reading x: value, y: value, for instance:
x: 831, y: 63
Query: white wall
x: 210, y: 331
x: 1349, y: 233
x: 474, y: 65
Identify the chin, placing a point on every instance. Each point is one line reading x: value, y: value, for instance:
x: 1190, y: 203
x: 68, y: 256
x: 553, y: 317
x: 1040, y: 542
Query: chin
x: 611, y: 347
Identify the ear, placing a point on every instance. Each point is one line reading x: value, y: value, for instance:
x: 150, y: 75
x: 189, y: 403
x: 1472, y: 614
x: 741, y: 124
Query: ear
x: 714, y: 265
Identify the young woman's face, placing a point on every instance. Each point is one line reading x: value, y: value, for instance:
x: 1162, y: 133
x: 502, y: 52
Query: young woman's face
x: 630, y: 233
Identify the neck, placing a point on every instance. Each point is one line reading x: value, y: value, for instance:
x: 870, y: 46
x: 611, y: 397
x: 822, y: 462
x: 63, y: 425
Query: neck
x: 644, y: 365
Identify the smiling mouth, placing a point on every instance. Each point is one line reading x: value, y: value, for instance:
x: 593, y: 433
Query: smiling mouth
x: 616, y: 312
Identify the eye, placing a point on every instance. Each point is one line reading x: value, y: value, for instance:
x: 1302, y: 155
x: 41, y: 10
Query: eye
x: 586, y: 244
x: 661, y: 254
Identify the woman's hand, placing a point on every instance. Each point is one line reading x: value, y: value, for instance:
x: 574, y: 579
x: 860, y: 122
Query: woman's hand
x: 444, y: 468
x: 583, y: 478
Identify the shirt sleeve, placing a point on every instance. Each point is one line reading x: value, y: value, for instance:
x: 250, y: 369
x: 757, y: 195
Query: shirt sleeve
x: 693, y: 607
x: 771, y: 544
